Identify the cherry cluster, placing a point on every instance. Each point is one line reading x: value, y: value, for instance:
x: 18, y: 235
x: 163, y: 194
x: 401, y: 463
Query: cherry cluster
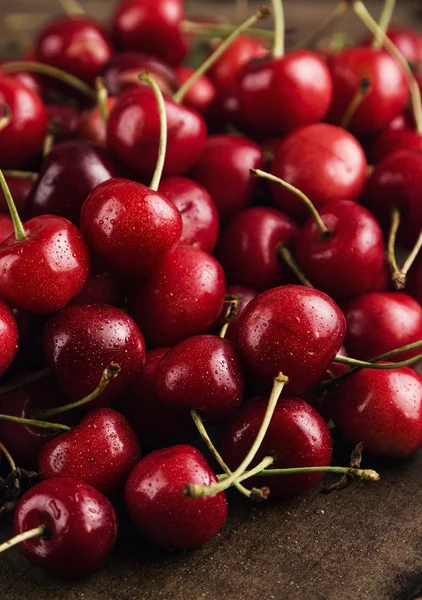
x: 197, y: 245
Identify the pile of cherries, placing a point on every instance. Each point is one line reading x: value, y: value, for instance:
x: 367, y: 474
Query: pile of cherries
x: 195, y: 248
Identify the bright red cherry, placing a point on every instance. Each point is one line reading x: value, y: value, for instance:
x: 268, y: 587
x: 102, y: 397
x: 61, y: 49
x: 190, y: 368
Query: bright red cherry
x: 240, y: 52
x: 80, y: 526
x: 154, y: 497
x: 104, y: 287
x: 92, y: 126
x: 182, y: 297
x: 244, y: 296
x: 8, y: 337
x: 202, y: 92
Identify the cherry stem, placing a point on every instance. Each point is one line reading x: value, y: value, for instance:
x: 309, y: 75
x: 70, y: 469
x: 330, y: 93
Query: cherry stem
x: 43, y: 69
x: 285, y: 254
x: 193, y: 490
x: 20, y: 234
x: 12, y: 464
x: 325, y: 28
x: 365, y: 474
x: 363, y: 364
x: 384, y: 21
x: 324, y: 231
x: 20, y: 174
x: 232, y: 301
x: 156, y: 178
x: 410, y: 259
x: 399, y: 275
x: 102, y: 96
x: 9, y: 387
x: 53, y: 129
x: 72, y: 7
x: 34, y: 423
x: 261, y: 13
x: 108, y: 375
x: 222, y: 30
x: 279, y: 29
x: 22, y: 537
x: 360, y: 94
x: 5, y: 118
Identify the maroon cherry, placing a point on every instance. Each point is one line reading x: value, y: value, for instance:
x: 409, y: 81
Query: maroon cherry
x: 8, y: 337
x: 381, y: 321
x: 240, y: 52
x: 182, y: 297
x: 6, y: 227
x: 20, y: 188
x: 224, y: 111
x: 243, y: 295
x: 92, y: 126
x: 65, y: 118
x: 154, y: 497
x: 104, y: 287
x: 382, y: 409
x: 202, y: 92
x: 73, y: 527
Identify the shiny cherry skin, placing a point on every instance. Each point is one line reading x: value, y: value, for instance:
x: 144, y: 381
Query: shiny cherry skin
x: 247, y: 248
x: 68, y: 173
x: 156, y: 503
x: 244, y: 296
x: 201, y: 373
x: 101, y: 451
x: 223, y: 169
x: 202, y: 92
x: 297, y: 437
x: 278, y: 95
x: 20, y: 188
x: 151, y: 26
x: 407, y: 40
x: 43, y: 272
x: 310, y: 325
x: 66, y: 119
x: 76, y: 45
x: 382, y: 409
x: 240, y: 52
x: 81, y: 526
x: 352, y: 260
x: 8, y: 337
x: 82, y: 340
x: 130, y: 226
x: 22, y: 139
x: 133, y: 133
x: 378, y: 322
x: 200, y: 222
x: 102, y: 286
x: 6, y: 227
x: 386, y: 98
x: 414, y: 282
x: 325, y: 162
x: 181, y: 298
x: 92, y: 126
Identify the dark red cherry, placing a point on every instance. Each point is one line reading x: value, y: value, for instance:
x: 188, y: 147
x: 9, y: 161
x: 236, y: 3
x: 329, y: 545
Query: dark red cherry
x: 389, y: 141
x: 8, y: 337
x: 201, y: 373
x: 244, y: 295
x: 386, y: 98
x: 325, y: 162
x: 382, y: 409
x: 182, y: 297
x: 130, y: 226
x: 223, y: 169
x: 151, y: 26
x: 160, y: 511
x: 414, y: 282
x: 65, y: 118
x: 297, y: 437
x: 292, y: 329
x: 80, y: 526
x: 33, y: 81
x: 82, y: 340
x: 202, y: 92
x: 240, y: 52
x: 407, y: 40
x: 101, y: 451
x: 20, y: 188
x: 381, y: 321
x: 104, y: 287
x: 6, y: 227
x: 75, y: 45
x: 92, y: 126
x: 247, y: 248
x: 200, y: 223
x: 224, y: 110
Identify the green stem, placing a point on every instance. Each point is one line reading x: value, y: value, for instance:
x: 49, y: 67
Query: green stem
x: 361, y: 93
x: 326, y: 27
x: 287, y: 257
x: 5, y: 118
x: 222, y: 30
x: 102, y: 96
x: 9, y: 387
x: 20, y: 174
x: 391, y: 244
x: 363, y: 364
x: 384, y: 22
x: 279, y: 28
x: 233, y: 302
x: 365, y: 474
x: 400, y: 281
x: 20, y: 234
x: 22, y: 537
x: 34, y: 423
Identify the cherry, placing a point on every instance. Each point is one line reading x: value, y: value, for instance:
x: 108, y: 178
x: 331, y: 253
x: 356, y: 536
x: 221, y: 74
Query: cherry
x: 101, y: 451
x: 181, y: 298
x: 32, y: 81
x: 6, y: 227
x: 81, y: 340
x: 415, y: 282
x: 200, y: 223
x: 297, y: 437
x: 382, y: 409
x: 202, y: 92
x: 73, y: 527
x: 243, y: 295
x: 201, y: 373
x: 390, y: 140
x: 240, y: 52
x: 92, y: 126
x: 247, y: 248
x: 325, y: 162
x: 20, y: 188
x: 407, y: 40
x: 104, y: 287
x: 378, y: 322
x: 8, y: 337
x: 156, y: 503
x: 66, y: 119
x: 310, y: 325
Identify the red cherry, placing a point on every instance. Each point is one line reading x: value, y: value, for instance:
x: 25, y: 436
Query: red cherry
x: 151, y: 26
x: 8, y: 337
x: 202, y: 92
x: 80, y: 526
x: 92, y: 126
x: 101, y: 451
x: 102, y: 287
x: 81, y: 340
x: 224, y: 110
x: 292, y: 329
x: 181, y: 298
x: 129, y: 225
x: 389, y: 141
x: 156, y: 503
x: 33, y: 81
x: 20, y: 188
x: 414, y: 282
x: 382, y: 321
x: 247, y: 248
x: 66, y: 119
x: 244, y: 295
x: 6, y: 227
x: 297, y: 437
x: 240, y: 52
x: 407, y: 40
x: 382, y: 409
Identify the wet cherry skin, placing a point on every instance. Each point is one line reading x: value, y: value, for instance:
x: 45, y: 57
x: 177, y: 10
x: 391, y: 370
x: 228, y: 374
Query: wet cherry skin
x: 8, y: 337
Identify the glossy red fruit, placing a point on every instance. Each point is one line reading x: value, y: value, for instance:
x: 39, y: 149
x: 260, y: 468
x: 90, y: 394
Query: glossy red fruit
x: 22, y: 139
x: 154, y: 497
x: 104, y: 287
x: 20, y: 188
x: 81, y: 526
x: 130, y: 226
x: 391, y: 140
x: 6, y: 227
x: 202, y: 92
x: 381, y: 321
x: 414, y: 282
x: 181, y: 298
x: 382, y: 409
x: 292, y: 329
x: 92, y: 126
x: 101, y: 451
x: 297, y: 437
x: 325, y: 162
x: 8, y: 337
x: 200, y: 223
x: 240, y: 52
x: 133, y: 133
x: 244, y: 296
x: 82, y: 340
x: 407, y: 40
x: 151, y: 26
